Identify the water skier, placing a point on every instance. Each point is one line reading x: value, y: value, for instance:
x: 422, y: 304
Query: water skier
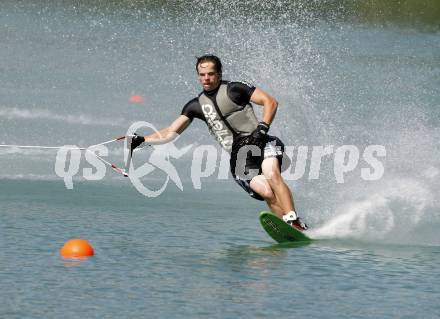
x: 256, y: 156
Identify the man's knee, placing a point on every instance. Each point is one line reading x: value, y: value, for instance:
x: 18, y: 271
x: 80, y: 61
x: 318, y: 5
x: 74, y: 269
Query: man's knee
x: 262, y: 187
x: 268, y: 195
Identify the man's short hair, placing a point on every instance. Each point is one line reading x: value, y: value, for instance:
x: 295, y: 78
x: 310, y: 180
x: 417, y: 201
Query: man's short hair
x: 210, y: 58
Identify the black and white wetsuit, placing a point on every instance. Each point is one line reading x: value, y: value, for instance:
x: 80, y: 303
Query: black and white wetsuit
x: 230, y: 118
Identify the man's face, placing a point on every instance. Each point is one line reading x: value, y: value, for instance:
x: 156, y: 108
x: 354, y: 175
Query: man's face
x: 208, y: 76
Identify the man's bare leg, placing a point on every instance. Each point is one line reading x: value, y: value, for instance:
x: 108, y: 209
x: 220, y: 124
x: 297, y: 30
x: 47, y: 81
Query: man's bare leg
x: 271, y: 171
x: 273, y: 189
x: 260, y: 185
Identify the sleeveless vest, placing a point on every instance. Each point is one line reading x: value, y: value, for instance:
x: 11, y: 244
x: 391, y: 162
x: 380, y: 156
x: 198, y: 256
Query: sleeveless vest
x: 226, y: 119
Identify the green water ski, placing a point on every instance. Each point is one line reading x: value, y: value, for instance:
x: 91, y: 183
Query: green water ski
x: 279, y: 230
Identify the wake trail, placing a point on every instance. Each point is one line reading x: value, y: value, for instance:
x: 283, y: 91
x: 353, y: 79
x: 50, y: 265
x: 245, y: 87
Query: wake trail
x: 391, y: 214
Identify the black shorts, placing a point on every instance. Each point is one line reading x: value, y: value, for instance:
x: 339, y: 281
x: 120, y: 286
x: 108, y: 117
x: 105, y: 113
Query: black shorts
x: 245, y: 165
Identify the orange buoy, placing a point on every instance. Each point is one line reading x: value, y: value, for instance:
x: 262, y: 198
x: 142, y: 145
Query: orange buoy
x: 76, y: 248
x: 137, y: 99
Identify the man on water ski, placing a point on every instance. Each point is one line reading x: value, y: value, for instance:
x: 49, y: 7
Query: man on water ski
x: 256, y: 157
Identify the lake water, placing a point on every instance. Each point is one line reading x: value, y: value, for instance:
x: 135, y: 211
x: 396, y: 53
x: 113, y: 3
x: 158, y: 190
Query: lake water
x: 344, y: 75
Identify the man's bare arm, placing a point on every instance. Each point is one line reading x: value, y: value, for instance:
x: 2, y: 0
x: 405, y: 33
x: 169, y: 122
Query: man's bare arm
x: 169, y: 133
x: 269, y: 104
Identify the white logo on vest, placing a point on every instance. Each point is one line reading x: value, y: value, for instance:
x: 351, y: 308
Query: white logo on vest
x: 217, y: 127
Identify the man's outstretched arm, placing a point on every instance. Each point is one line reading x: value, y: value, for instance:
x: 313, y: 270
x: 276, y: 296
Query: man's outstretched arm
x: 169, y: 133
x: 164, y: 135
